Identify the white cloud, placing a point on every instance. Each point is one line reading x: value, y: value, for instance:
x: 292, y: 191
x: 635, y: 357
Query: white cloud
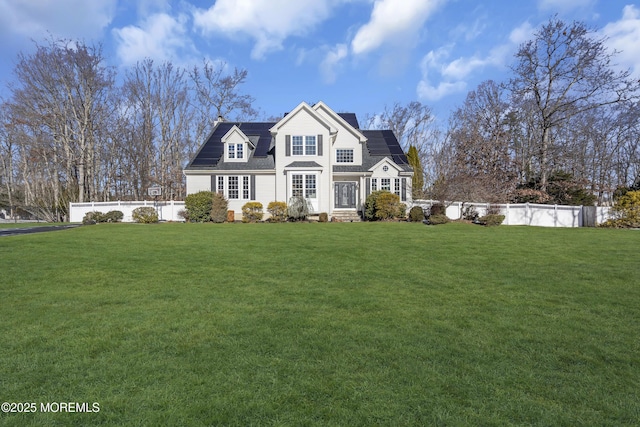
x: 443, y: 89
x: 160, y: 37
x: 63, y: 18
x: 624, y: 37
x: 267, y: 22
x: 332, y: 62
x: 434, y: 63
x: 392, y: 20
x: 452, y: 75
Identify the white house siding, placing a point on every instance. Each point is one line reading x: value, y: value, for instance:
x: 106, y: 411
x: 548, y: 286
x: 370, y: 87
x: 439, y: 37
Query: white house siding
x: 196, y: 183
x: 345, y: 139
x: 303, y: 123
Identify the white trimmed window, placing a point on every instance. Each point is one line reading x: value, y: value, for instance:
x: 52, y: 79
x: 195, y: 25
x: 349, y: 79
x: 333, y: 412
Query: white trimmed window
x: 374, y: 184
x: 297, y: 185
x: 220, y: 184
x: 310, y: 146
x: 303, y: 145
x: 245, y: 187
x: 310, y: 186
x: 385, y: 184
x: 304, y: 185
x: 344, y: 155
x: 235, y: 151
x: 397, y: 186
x: 234, y: 187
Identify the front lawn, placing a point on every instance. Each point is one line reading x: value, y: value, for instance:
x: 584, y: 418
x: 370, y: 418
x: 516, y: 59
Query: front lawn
x: 322, y: 324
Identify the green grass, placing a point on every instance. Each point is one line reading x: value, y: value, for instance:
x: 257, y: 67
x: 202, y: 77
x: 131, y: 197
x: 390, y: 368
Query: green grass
x: 322, y: 324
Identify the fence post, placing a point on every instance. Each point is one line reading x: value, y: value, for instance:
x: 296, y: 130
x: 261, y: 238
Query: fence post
x: 506, y: 213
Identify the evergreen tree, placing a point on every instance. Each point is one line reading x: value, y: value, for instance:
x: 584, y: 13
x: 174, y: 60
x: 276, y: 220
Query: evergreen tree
x: 417, y: 182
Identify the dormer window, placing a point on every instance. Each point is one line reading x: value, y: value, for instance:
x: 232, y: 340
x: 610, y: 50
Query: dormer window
x: 236, y: 151
x: 237, y: 145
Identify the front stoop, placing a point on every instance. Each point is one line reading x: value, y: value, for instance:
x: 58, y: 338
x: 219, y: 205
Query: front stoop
x: 346, y: 216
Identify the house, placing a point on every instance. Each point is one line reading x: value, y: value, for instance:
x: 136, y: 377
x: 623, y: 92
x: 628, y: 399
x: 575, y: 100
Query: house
x: 312, y: 152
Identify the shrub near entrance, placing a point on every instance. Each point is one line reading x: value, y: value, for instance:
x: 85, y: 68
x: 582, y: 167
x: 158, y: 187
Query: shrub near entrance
x: 382, y: 205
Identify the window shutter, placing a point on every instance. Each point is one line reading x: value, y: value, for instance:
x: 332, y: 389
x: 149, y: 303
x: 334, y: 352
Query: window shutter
x: 287, y: 148
x: 403, y: 191
x: 252, y: 183
x: 319, y: 145
x: 214, y: 184
x: 367, y: 188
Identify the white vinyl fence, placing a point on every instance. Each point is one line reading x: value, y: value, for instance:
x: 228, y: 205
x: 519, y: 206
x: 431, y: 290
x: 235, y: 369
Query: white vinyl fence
x: 515, y: 214
x: 530, y: 213
x: 167, y: 211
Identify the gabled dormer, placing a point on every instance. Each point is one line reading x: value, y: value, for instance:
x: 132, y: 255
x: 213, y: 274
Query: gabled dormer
x: 237, y: 145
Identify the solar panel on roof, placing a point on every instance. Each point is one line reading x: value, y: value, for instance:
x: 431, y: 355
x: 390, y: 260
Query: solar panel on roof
x: 351, y: 119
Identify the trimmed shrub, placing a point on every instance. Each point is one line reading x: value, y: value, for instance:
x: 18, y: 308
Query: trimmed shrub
x: 145, y: 215
x: 91, y: 218
x: 231, y: 216
x: 387, y: 206
x: 438, y: 219
x: 252, y: 212
x: 437, y: 209
x: 382, y: 205
x: 298, y: 209
x: 219, y: 207
x: 113, y: 216
x: 198, y: 206
x: 416, y: 214
x: 323, y: 217
x: 491, y: 220
x: 278, y: 211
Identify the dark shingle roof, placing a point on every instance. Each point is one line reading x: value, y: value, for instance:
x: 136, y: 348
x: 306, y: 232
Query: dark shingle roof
x: 303, y: 165
x: 212, y: 150
x: 380, y: 144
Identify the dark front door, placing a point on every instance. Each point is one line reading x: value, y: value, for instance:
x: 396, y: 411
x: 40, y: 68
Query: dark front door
x: 345, y: 195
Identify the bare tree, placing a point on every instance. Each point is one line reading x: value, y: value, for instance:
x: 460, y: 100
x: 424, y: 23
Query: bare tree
x: 217, y: 95
x: 563, y: 72
x: 57, y: 104
x: 482, y: 157
x: 414, y: 125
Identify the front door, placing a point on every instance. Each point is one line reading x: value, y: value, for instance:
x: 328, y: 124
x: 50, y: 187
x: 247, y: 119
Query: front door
x: 345, y: 195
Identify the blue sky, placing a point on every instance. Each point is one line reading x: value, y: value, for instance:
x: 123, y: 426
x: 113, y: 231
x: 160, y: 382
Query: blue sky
x: 355, y: 55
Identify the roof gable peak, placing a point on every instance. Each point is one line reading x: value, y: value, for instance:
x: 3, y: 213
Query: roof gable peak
x: 304, y: 107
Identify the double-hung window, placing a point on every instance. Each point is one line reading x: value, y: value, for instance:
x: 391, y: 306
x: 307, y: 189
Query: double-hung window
x: 309, y: 145
x: 310, y: 186
x: 234, y: 187
x: 235, y: 151
x: 304, y: 185
x: 385, y: 184
x: 303, y: 145
x: 245, y: 187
